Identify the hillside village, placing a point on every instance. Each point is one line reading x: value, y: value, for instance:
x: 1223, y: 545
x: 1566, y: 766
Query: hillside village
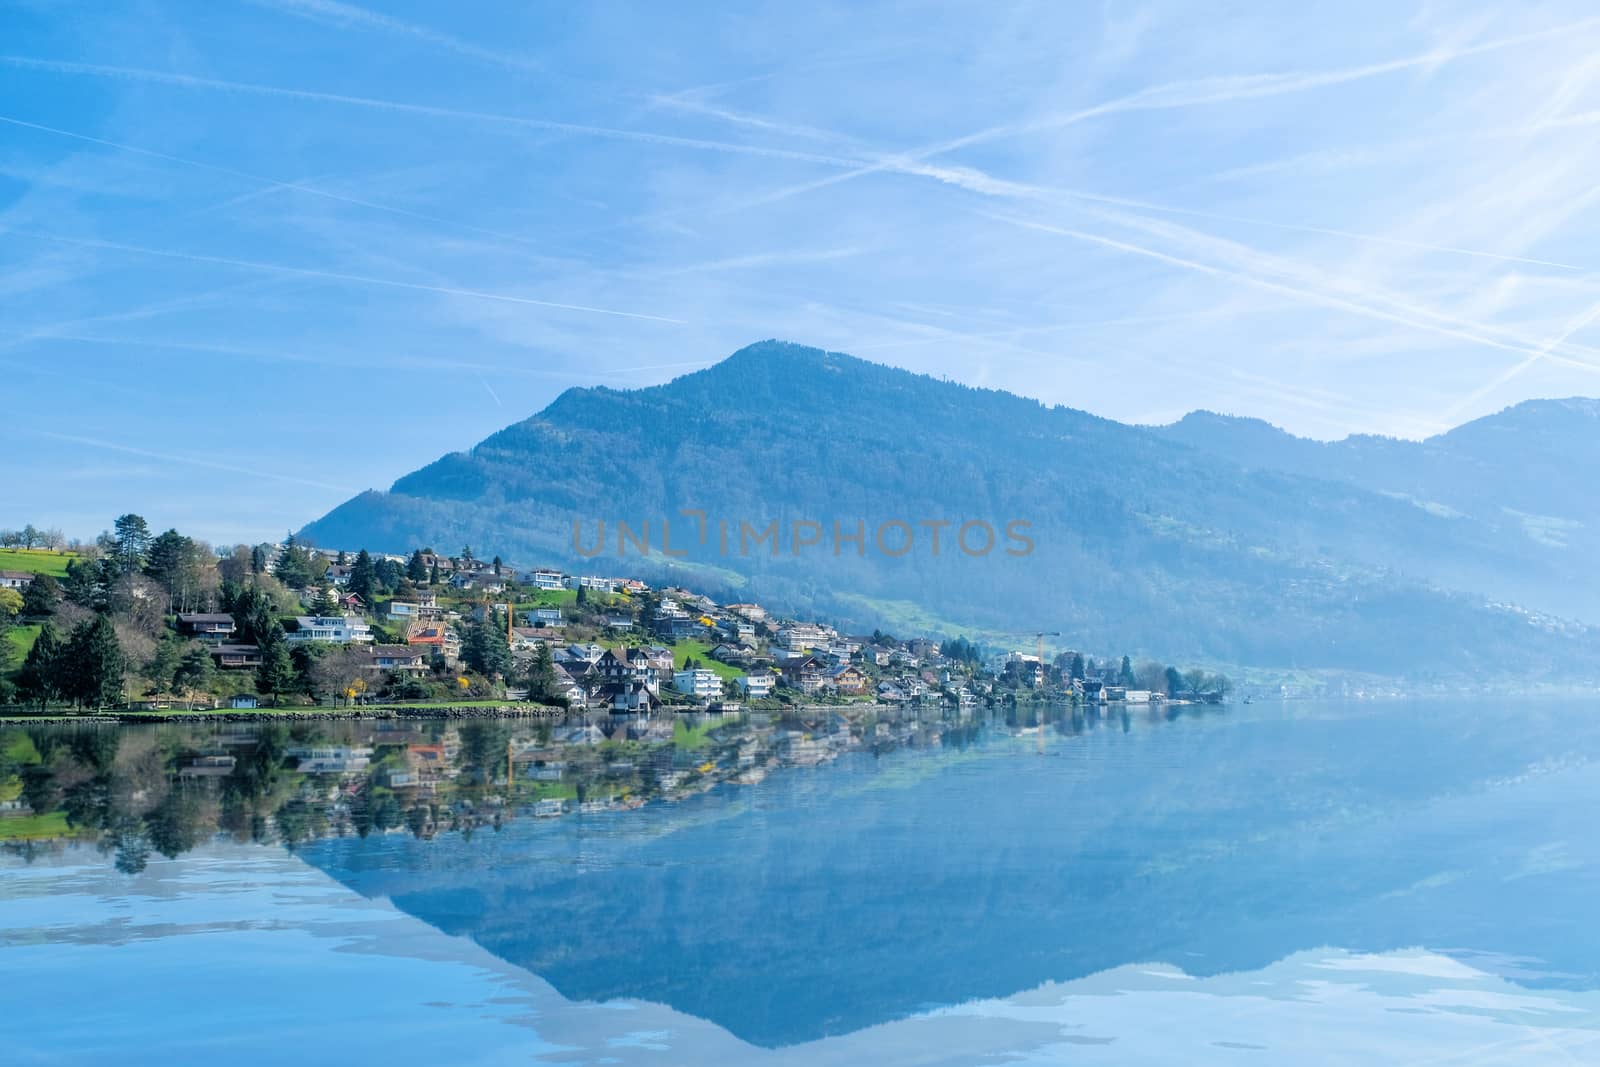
x: 163, y: 622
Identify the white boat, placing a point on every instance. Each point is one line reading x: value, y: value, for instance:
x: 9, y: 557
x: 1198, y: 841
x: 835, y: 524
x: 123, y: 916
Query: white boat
x: 549, y: 809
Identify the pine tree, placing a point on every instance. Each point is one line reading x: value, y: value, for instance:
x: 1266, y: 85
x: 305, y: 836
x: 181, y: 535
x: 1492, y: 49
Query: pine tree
x: 94, y: 664
x: 363, y: 577
x: 485, y: 649
x: 275, y: 676
x: 258, y: 560
x: 542, y: 674
x: 41, y: 677
x: 132, y: 542
x: 195, y: 671
x: 416, y: 568
x: 41, y: 596
x: 433, y: 576
x: 325, y: 603
x: 83, y: 586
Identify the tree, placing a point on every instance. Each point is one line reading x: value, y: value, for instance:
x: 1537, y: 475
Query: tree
x: 293, y: 565
x: 275, y: 676
x: 94, y: 664
x: 40, y: 680
x: 131, y: 543
x: 542, y: 674
x: 1174, y: 681
x: 41, y: 596
x: 10, y: 604
x: 583, y: 593
x: 324, y: 604
x: 1077, y: 669
x: 163, y: 665
x: 83, y: 586
x: 496, y: 565
x: 416, y: 567
x: 363, y: 577
x: 1125, y: 675
x: 484, y: 648
x: 195, y: 672
x: 258, y: 559
x: 53, y: 538
x: 30, y: 536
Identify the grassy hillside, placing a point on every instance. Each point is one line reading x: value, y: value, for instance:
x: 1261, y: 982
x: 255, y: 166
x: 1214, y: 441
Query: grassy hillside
x: 36, y: 561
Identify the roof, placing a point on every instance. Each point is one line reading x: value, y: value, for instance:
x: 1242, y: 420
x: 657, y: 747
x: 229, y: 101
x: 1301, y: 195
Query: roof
x: 204, y: 617
x: 392, y: 650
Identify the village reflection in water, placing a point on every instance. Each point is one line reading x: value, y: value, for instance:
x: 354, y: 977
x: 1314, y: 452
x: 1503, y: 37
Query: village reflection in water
x: 164, y: 789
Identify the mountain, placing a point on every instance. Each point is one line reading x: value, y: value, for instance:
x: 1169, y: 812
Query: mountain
x: 1217, y: 539
x: 1521, y: 475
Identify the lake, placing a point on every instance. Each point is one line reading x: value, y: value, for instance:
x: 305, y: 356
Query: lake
x: 1405, y: 881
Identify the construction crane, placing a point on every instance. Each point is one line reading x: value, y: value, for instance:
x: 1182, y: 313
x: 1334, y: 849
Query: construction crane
x: 1039, y: 636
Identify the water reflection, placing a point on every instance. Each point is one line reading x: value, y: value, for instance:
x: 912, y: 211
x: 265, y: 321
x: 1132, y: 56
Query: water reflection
x: 932, y: 866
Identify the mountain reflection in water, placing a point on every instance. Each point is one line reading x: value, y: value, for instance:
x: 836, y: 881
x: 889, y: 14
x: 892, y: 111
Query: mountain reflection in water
x: 825, y: 900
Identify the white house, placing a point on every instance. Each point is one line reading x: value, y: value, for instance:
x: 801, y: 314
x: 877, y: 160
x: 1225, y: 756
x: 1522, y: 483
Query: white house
x: 18, y: 580
x: 332, y: 630
x: 757, y: 686
x: 700, y: 683
x: 549, y: 580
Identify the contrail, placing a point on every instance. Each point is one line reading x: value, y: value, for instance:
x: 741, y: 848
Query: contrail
x: 342, y: 12
x: 490, y: 390
x: 1181, y: 94
x: 1581, y: 321
x: 271, y: 183
x: 112, y: 446
x: 358, y: 279
x: 1325, y: 299
x: 191, y: 81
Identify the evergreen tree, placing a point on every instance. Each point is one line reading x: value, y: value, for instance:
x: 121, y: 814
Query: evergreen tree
x: 83, y: 586
x: 293, y: 565
x: 41, y: 678
x: 433, y: 575
x: 258, y: 560
x: 542, y: 674
x: 275, y: 676
x: 583, y: 593
x: 484, y: 648
x: 496, y: 565
x: 164, y: 664
x: 363, y: 577
x: 324, y: 604
x: 94, y: 664
x: 41, y: 596
x: 416, y: 569
x: 1077, y: 667
x: 1126, y: 674
x: 195, y: 671
x: 1174, y: 681
x: 132, y: 542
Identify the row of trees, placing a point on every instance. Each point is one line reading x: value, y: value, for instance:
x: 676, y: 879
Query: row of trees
x: 31, y: 537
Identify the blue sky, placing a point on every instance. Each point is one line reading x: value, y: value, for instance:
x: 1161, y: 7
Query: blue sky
x: 255, y: 257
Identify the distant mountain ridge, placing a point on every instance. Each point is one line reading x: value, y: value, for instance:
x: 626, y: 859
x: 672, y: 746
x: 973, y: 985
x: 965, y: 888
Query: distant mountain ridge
x: 1216, y: 538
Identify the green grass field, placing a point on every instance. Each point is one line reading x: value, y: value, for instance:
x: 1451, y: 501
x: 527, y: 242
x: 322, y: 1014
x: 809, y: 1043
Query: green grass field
x: 699, y: 650
x: 22, y: 639
x: 34, y: 827
x: 36, y: 561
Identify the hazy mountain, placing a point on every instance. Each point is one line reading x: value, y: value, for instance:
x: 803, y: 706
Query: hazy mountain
x: 1215, y: 538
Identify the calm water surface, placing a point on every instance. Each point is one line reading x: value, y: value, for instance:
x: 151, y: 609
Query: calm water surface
x: 1354, y: 883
